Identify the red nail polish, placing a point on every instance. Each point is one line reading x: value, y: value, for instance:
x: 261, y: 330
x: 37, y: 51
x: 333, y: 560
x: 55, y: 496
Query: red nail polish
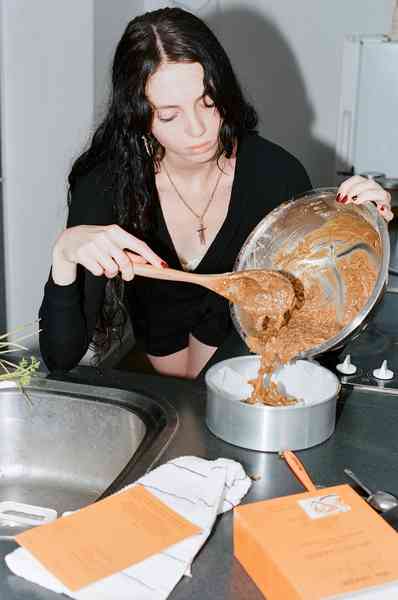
x: 164, y: 265
x: 344, y: 199
x: 338, y: 198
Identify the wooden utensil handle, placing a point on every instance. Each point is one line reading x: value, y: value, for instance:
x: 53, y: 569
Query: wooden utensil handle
x: 299, y: 470
x: 168, y: 274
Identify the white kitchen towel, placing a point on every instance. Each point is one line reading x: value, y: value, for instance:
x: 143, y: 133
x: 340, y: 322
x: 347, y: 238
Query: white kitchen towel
x: 198, y: 490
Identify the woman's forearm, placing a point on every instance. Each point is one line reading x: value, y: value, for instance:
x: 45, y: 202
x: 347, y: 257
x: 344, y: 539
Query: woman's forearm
x: 64, y: 272
x: 63, y: 332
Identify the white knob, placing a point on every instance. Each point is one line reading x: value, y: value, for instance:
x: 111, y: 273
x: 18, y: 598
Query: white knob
x: 346, y: 367
x: 383, y: 372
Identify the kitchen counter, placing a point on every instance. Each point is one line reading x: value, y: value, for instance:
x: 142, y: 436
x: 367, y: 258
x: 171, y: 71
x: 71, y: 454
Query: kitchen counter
x: 365, y: 440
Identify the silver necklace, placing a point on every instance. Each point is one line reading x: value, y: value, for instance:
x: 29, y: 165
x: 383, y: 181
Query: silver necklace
x: 201, y: 230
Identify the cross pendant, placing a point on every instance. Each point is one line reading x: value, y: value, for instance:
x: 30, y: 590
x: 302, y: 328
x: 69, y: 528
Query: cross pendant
x: 201, y: 232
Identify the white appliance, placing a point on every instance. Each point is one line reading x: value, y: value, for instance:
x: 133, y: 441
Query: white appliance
x: 367, y: 138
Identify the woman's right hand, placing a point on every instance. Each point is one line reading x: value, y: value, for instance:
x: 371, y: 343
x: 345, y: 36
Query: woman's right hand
x: 102, y: 250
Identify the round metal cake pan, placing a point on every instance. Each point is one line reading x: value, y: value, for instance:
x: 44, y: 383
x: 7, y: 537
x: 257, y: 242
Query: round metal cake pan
x: 270, y: 428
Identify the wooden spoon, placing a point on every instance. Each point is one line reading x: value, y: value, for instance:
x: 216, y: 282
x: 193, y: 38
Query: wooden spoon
x: 267, y: 296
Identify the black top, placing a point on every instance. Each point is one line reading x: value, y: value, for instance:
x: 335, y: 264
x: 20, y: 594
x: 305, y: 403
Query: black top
x: 165, y: 313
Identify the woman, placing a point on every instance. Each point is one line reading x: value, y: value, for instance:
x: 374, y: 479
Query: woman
x: 175, y: 175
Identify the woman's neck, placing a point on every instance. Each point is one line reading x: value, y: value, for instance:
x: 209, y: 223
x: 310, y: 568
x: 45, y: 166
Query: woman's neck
x: 197, y: 174
x: 181, y: 166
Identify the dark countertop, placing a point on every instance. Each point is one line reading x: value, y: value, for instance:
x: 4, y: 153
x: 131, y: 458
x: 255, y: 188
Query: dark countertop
x: 365, y: 440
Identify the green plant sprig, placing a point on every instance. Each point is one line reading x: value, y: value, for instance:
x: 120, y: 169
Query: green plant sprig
x: 21, y: 371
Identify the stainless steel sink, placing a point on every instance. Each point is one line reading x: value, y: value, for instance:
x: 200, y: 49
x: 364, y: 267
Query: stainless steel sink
x: 66, y: 445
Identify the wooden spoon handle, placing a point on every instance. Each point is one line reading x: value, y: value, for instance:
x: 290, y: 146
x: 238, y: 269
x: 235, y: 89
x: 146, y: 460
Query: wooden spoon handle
x: 169, y: 274
x: 299, y: 470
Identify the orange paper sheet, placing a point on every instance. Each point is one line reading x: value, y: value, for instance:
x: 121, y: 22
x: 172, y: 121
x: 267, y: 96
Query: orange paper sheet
x: 106, y: 537
x: 315, y: 545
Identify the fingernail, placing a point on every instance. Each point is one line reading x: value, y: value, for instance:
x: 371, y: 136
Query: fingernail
x: 344, y: 199
x: 164, y: 265
x: 338, y: 198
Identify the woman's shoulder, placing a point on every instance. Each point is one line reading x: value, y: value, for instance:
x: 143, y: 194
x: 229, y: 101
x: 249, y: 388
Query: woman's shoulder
x: 259, y: 149
x: 91, y: 199
x: 261, y: 157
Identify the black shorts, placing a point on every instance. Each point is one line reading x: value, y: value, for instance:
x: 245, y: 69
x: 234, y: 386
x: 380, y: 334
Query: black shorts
x: 164, y: 327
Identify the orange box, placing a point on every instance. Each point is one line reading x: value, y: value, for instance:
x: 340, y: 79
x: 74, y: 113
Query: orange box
x: 316, y: 546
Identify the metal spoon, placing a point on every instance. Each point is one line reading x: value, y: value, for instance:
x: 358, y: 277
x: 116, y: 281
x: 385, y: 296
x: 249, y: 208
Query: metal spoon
x: 380, y: 500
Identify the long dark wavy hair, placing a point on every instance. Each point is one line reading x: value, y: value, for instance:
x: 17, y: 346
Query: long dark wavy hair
x: 172, y: 35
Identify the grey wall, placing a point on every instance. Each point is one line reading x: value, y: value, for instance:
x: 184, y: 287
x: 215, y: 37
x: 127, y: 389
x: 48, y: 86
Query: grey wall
x: 288, y: 55
x: 3, y: 321
x: 110, y: 20
x: 47, y: 101
x: 55, y: 64
x: 2, y: 249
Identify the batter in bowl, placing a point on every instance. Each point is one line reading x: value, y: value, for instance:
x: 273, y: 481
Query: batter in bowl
x: 338, y: 256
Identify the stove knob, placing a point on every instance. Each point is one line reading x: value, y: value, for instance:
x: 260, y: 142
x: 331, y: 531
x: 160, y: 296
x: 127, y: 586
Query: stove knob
x: 346, y: 367
x: 383, y: 372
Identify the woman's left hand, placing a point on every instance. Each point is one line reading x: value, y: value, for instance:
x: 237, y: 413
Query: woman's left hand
x: 359, y: 189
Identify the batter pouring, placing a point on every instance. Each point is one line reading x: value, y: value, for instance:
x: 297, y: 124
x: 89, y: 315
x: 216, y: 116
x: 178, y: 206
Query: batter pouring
x: 349, y: 265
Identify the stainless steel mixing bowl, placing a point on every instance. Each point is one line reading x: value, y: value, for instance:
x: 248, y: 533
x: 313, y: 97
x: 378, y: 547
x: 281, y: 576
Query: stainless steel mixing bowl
x: 287, y: 225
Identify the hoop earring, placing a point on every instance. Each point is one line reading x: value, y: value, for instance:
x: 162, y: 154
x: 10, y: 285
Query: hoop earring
x: 148, y: 146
